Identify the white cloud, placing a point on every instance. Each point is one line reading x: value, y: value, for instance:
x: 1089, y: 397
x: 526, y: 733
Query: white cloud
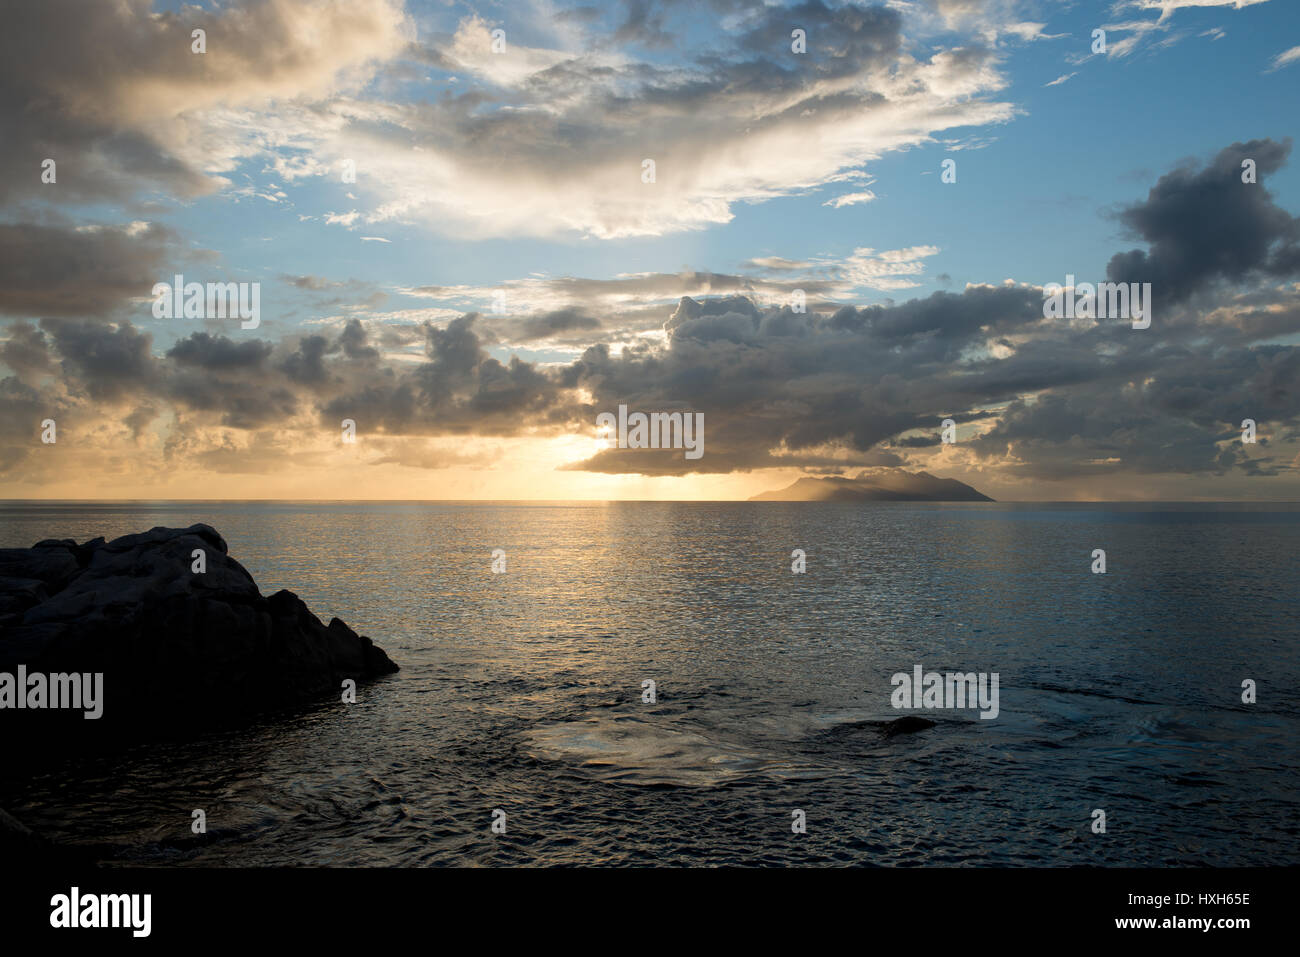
x: 1284, y: 59
x: 850, y: 199
x: 562, y: 150
x: 471, y: 51
x: 1141, y: 28
x: 540, y: 141
x: 1167, y: 7
x: 867, y: 269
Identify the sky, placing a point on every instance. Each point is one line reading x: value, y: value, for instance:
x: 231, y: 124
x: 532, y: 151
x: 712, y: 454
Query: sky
x: 474, y: 228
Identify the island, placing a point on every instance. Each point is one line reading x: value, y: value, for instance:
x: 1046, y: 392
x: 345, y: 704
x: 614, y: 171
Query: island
x: 876, y: 485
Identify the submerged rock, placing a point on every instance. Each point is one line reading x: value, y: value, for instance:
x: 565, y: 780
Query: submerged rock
x: 909, y: 724
x: 176, y: 647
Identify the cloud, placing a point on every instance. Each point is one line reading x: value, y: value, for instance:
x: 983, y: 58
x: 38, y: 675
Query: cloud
x: 533, y: 141
x: 471, y: 50
x: 850, y: 388
x: 1167, y: 7
x: 850, y: 199
x: 555, y: 144
x: 550, y: 139
x: 550, y: 325
x: 55, y: 270
x: 213, y: 353
x: 1250, y: 234
x: 991, y: 20
x: 1285, y: 58
x: 113, y: 93
x: 26, y: 351
x: 1141, y: 29
x: 777, y: 264
x: 101, y: 360
x: 631, y: 305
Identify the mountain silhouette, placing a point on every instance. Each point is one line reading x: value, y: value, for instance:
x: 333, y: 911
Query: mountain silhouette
x: 881, y: 485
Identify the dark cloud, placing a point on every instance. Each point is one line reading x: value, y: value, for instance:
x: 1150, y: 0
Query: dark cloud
x: 306, y: 364
x: 773, y: 379
x: 24, y: 408
x: 548, y: 325
x: 60, y: 64
x: 338, y: 292
x: 58, y: 271
x: 1205, y: 226
x: 841, y: 40
x: 825, y: 390
x: 105, y: 361
x: 860, y: 387
x: 219, y: 353
x: 87, y: 84
x: 577, y: 15
x: 26, y: 351
x: 140, y: 418
x: 353, y: 340
x: 643, y: 26
x: 318, y: 283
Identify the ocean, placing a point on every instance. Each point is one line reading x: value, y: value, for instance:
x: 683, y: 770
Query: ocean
x: 522, y: 698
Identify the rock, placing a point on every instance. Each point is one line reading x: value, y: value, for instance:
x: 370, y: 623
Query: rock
x: 20, y: 845
x: 909, y: 724
x: 19, y: 594
x: 17, y: 842
x: 176, y: 648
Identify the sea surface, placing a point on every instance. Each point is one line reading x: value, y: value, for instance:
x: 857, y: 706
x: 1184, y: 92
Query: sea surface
x: 522, y: 691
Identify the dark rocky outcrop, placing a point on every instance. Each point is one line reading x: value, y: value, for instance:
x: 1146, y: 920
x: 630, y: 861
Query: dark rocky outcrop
x: 863, y: 736
x: 16, y: 841
x: 178, y: 649
x: 908, y: 724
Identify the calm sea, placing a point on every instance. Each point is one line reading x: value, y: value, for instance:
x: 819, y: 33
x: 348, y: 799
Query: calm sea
x: 522, y: 691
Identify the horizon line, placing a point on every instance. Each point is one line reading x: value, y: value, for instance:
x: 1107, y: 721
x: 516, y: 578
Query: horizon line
x: 607, y: 501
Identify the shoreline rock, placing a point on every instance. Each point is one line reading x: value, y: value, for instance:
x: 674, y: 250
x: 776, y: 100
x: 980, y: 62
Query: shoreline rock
x: 16, y: 839
x: 178, y: 649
